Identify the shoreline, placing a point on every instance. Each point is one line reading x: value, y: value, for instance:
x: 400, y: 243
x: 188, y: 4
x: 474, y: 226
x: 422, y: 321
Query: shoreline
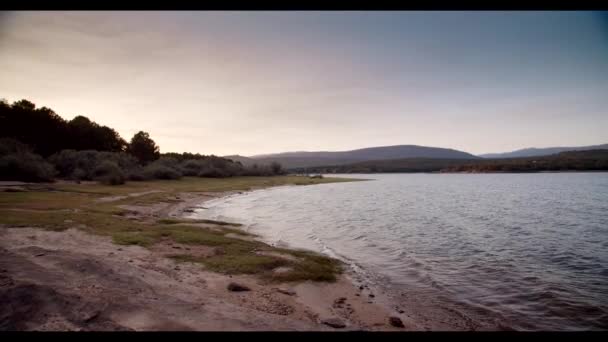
x: 416, y: 313
x: 314, y: 294
x: 75, y: 280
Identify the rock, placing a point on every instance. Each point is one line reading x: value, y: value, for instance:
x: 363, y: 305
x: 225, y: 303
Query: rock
x: 339, y: 301
x: 396, y: 322
x: 237, y: 287
x: 361, y: 287
x: 188, y: 210
x: 334, y: 323
x: 358, y: 295
x: 286, y: 291
x: 40, y: 254
x: 371, y: 295
x: 401, y: 311
x: 120, y: 249
x: 87, y: 317
x: 177, y: 268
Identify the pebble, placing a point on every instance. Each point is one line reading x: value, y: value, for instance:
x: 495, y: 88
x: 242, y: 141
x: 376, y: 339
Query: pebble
x: 396, y: 322
x: 334, y: 323
x: 237, y: 287
x: 286, y: 291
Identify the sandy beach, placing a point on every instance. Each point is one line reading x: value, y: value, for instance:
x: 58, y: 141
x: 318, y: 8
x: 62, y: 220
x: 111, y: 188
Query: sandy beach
x: 73, y: 280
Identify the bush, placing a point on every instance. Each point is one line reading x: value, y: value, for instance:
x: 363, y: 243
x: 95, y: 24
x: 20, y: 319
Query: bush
x: 26, y: 167
x: 158, y: 171
x: 12, y: 146
x: 81, y: 165
x: 213, y: 172
x: 108, y: 172
x: 192, y: 167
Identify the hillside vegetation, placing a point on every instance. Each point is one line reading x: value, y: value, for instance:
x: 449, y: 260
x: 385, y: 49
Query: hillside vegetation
x: 594, y: 160
x: 311, y: 159
x: 38, y: 145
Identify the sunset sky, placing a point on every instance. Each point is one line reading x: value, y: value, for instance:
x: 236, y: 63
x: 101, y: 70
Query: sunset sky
x: 262, y: 82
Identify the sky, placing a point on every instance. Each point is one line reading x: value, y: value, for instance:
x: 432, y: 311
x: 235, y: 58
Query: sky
x: 262, y: 82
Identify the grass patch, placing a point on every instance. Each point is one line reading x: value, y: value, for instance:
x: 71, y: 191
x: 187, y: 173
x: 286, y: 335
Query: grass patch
x: 135, y: 238
x: 77, y: 205
x: 244, y: 263
x: 177, y: 221
x: 51, y: 220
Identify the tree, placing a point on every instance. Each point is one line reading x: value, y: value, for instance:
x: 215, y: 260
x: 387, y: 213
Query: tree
x: 143, y: 148
x: 276, y: 168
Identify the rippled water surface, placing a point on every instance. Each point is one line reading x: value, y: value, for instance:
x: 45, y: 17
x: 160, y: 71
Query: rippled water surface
x: 525, y: 251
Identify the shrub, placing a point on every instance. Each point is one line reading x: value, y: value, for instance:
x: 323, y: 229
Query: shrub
x: 192, y: 167
x: 213, y: 172
x: 12, y: 146
x: 169, y: 162
x: 136, y: 175
x: 27, y: 167
x: 158, y: 171
x: 108, y: 172
x: 276, y: 168
x: 81, y: 165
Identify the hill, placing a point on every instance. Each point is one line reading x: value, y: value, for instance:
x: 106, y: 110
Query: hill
x: 592, y: 160
x: 533, y: 152
x: 310, y: 159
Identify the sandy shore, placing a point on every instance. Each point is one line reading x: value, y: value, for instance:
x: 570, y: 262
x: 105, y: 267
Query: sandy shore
x: 72, y: 280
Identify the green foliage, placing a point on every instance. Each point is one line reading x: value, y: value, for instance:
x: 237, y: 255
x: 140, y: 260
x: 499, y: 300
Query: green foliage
x: 159, y: 171
x: 107, y: 172
x: 33, y: 126
x: 593, y: 160
x: 25, y: 166
x: 81, y: 165
x: 12, y: 146
x: 143, y: 148
x: 78, y: 146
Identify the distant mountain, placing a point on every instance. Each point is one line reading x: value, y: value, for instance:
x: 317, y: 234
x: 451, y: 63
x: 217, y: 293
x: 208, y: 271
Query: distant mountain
x: 534, y: 152
x: 590, y: 160
x: 309, y: 159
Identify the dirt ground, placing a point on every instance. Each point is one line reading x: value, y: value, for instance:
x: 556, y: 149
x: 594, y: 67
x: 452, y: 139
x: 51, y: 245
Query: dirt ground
x: 72, y: 280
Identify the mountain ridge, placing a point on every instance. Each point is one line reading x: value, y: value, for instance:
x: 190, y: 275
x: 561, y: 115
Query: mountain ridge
x: 318, y: 158
x: 543, y: 151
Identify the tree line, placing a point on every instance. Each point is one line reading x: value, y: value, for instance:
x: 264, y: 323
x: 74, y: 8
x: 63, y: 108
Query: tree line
x: 36, y: 144
x: 591, y: 160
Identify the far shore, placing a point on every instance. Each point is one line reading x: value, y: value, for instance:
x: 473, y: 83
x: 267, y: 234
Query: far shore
x: 95, y: 257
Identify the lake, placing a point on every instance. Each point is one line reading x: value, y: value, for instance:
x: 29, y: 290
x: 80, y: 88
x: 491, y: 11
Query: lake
x: 457, y: 251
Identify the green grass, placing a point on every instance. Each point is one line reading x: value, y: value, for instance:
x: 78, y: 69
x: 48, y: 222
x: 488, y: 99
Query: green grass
x: 78, y: 205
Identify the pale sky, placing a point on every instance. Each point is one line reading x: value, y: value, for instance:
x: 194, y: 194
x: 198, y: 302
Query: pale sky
x: 263, y: 82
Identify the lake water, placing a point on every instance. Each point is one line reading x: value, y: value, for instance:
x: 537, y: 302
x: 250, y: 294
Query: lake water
x: 465, y: 251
